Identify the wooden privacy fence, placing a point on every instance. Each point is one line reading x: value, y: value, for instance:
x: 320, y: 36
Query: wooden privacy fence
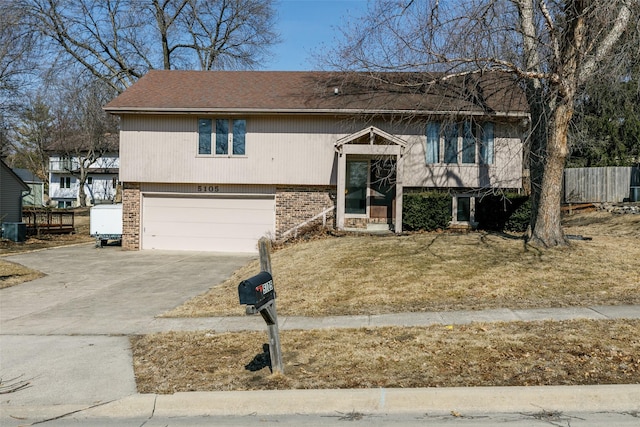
x: 602, y: 185
x: 46, y: 221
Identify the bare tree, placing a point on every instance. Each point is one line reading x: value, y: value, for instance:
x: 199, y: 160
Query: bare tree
x: 16, y: 55
x: 117, y: 41
x: 229, y: 34
x: 33, y: 136
x: 84, y: 133
x: 6, y: 148
x: 552, y: 47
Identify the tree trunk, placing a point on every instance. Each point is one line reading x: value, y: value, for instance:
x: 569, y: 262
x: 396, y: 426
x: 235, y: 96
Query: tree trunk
x: 546, y: 224
x: 82, y: 179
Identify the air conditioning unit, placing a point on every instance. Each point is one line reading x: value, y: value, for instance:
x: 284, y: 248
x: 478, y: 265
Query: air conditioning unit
x: 15, y: 231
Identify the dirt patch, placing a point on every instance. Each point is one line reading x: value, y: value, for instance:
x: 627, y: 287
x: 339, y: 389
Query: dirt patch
x: 577, y: 352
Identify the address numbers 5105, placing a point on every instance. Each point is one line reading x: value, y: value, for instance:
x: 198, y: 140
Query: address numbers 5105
x: 205, y: 188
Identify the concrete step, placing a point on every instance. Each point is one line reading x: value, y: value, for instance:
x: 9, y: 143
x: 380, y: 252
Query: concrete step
x: 378, y: 227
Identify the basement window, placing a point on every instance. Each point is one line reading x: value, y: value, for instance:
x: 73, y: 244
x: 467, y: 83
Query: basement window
x: 464, y: 207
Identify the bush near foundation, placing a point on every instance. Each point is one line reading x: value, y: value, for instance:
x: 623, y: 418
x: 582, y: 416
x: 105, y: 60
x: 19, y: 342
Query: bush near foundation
x: 426, y: 211
x: 510, y: 212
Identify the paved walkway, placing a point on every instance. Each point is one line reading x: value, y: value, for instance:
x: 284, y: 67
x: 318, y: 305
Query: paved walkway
x: 235, y: 324
x: 67, y: 335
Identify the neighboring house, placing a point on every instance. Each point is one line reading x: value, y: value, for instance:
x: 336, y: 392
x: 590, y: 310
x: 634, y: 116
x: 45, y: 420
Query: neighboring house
x: 12, y: 188
x: 64, y: 179
x: 213, y: 160
x: 36, y: 188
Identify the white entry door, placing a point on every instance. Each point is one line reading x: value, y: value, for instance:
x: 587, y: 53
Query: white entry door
x: 217, y: 224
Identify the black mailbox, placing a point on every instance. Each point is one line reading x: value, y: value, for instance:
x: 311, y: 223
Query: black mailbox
x: 257, y: 290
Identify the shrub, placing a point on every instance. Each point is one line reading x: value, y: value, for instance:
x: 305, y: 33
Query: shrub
x: 510, y: 212
x: 426, y: 211
x: 520, y: 219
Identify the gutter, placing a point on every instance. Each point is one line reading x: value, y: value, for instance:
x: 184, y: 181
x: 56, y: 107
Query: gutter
x: 296, y: 111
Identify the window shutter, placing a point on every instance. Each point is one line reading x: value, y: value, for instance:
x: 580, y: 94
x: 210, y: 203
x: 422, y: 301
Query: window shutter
x: 433, y: 142
x: 487, y: 146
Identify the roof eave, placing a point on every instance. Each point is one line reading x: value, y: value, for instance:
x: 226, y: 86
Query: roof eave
x: 308, y: 111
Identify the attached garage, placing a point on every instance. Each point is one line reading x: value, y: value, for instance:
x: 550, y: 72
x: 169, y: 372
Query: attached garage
x: 220, y: 223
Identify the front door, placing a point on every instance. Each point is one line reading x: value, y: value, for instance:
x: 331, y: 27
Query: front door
x: 371, y: 188
x: 356, y: 187
x: 382, y: 189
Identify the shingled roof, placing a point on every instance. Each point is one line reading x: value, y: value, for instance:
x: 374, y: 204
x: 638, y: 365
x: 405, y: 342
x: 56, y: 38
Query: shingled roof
x: 162, y: 91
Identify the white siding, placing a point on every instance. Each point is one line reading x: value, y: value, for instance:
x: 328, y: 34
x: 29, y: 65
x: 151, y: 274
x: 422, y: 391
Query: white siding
x: 60, y: 163
x: 278, y: 151
x: 288, y: 150
x: 506, y: 172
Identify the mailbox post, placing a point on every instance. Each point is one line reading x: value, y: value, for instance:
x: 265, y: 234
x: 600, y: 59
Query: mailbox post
x: 259, y: 295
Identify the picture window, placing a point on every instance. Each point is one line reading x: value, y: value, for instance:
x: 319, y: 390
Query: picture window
x: 229, y: 137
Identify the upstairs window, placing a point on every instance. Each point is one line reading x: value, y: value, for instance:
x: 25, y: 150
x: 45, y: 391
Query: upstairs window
x: 460, y: 143
x: 65, y: 182
x: 204, y: 136
x: 229, y: 136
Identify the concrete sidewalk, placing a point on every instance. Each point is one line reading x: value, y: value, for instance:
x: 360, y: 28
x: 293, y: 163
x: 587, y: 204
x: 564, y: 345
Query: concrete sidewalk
x: 67, y: 335
x: 255, y: 323
x: 463, y: 400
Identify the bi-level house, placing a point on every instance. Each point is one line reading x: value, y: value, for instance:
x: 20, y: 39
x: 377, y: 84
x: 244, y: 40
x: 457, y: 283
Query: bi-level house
x: 213, y: 160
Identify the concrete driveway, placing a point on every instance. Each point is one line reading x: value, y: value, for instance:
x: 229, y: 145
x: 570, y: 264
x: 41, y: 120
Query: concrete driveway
x: 67, y: 333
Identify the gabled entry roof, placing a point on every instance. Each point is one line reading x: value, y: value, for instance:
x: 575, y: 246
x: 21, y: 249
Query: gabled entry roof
x: 372, y: 131
x: 371, y: 141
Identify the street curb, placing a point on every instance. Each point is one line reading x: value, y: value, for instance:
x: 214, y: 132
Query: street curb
x: 462, y: 400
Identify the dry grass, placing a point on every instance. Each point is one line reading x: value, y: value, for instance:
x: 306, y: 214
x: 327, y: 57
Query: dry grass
x: 574, y: 352
x: 351, y: 275
x: 445, y: 271
x: 12, y: 274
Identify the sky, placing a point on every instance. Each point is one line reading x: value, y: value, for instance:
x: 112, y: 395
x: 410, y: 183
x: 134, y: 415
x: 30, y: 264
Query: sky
x: 304, y: 26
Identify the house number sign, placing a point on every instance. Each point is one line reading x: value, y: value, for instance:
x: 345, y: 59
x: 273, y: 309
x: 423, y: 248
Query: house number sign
x: 205, y: 188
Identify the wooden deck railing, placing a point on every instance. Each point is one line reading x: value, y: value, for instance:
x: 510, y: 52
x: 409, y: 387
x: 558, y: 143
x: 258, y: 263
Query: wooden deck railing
x: 46, y: 221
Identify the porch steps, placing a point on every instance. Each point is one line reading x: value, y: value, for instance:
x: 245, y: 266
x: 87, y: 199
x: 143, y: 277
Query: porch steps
x: 378, y: 227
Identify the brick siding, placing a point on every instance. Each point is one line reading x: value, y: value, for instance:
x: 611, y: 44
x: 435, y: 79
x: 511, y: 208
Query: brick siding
x: 295, y: 205
x: 131, y: 216
x: 360, y: 223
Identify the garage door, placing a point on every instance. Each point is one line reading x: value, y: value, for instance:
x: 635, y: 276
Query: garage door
x: 221, y: 223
